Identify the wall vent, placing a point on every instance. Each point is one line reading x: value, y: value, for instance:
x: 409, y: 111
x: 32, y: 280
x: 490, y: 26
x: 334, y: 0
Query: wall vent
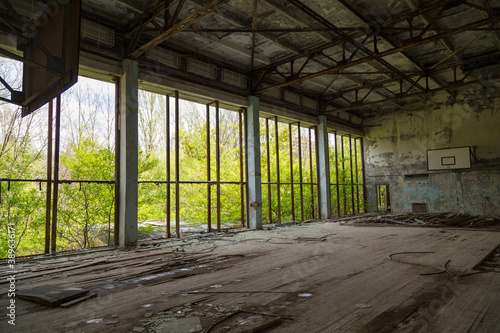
x: 419, y: 207
x: 202, y: 69
x: 417, y: 177
x: 234, y: 79
x: 97, y: 33
x: 165, y: 57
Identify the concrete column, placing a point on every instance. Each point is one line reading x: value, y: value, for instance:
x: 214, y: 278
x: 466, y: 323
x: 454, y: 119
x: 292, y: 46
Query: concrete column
x: 254, y: 170
x: 323, y: 170
x: 128, y: 167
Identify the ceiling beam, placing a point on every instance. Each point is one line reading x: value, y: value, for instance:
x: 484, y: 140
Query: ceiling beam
x: 451, y: 86
x: 390, y: 39
x: 359, y: 46
x: 162, y: 37
x: 494, y: 33
x: 406, y: 46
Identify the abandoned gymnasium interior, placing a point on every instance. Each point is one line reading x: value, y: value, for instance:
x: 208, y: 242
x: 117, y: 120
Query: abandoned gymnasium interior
x: 250, y: 166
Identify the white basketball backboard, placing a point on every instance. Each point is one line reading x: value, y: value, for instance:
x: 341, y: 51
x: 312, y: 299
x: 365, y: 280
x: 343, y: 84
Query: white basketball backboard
x: 449, y: 158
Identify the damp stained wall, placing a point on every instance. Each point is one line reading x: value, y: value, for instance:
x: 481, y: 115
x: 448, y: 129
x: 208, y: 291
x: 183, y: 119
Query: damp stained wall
x: 396, y: 146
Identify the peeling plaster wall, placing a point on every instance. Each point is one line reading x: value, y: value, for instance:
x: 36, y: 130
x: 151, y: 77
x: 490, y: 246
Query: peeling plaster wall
x: 396, y: 145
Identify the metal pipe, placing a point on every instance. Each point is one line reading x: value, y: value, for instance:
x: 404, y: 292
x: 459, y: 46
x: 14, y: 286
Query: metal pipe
x: 291, y: 169
x: 117, y: 162
x: 49, y: 178
x: 177, y: 174
x: 316, y: 181
x: 357, y: 174
x: 363, y: 173
x: 352, y: 176
x: 337, y: 173
x: 311, y: 173
x: 246, y: 165
x: 167, y: 144
x: 276, y: 134
x: 217, y: 152
x: 343, y: 173
x: 209, y: 191
x: 56, y: 175
x: 301, y: 175
x: 269, y: 208
x: 242, y: 188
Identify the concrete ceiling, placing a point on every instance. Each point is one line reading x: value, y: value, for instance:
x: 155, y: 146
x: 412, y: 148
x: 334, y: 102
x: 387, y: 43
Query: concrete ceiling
x: 356, y: 58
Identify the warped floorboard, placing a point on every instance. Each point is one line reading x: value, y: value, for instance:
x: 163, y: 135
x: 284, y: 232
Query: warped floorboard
x: 316, y: 277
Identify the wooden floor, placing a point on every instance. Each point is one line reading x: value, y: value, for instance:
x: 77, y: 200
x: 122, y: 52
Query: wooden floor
x: 314, y: 277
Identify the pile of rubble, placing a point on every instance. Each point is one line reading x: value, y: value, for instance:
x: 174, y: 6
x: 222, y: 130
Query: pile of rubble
x: 427, y: 220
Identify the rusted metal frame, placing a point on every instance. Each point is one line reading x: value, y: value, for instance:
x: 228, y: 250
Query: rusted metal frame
x: 337, y: 173
x: 28, y: 62
x: 311, y: 173
x: 209, y: 176
x: 282, y: 183
x: 49, y: 177
x: 301, y: 174
x: 357, y: 47
x: 439, y: 68
x: 411, y: 86
x: 309, y: 11
x: 175, y: 15
x: 149, y: 15
x: 469, y: 73
x: 343, y: 177
x: 352, y: 175
x: 278, y: 185
x: 254, y: 26
x: 53, y: 239
x: 303, y: 66
x: 368, y: 93
x: 316, y: 181
x: 388, y: 197
x: 309, y: 29
x: 363, y: 176
x: 177, y: 171
x: 254, y: 86
x: 329, y: 85
x: 328, y: 57
x: 431, y: 22
x: 386, y: 53
x: 6, y: 85
x: 345, y: 99
x: 378, y: 198
x: 217, y: 161
x: 277, y: 71
x: 362, y: 32
x: 290, y: 145
x: 116, y: 230
x: 242, y: 180
x: 247, y: 203
x: 156, y: 182
x: 135, y: 39
x: 268, y: 162
x: 357, y: 173
x: 178, y: 27
x: 157, y: 26
x: 167, y: 144
x: 486, y: 9
x: 50, y: 57
x: 456, y: 85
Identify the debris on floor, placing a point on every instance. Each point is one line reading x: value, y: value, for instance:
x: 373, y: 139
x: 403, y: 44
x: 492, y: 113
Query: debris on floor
x: 426, y: 220
x: 55, y: 295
